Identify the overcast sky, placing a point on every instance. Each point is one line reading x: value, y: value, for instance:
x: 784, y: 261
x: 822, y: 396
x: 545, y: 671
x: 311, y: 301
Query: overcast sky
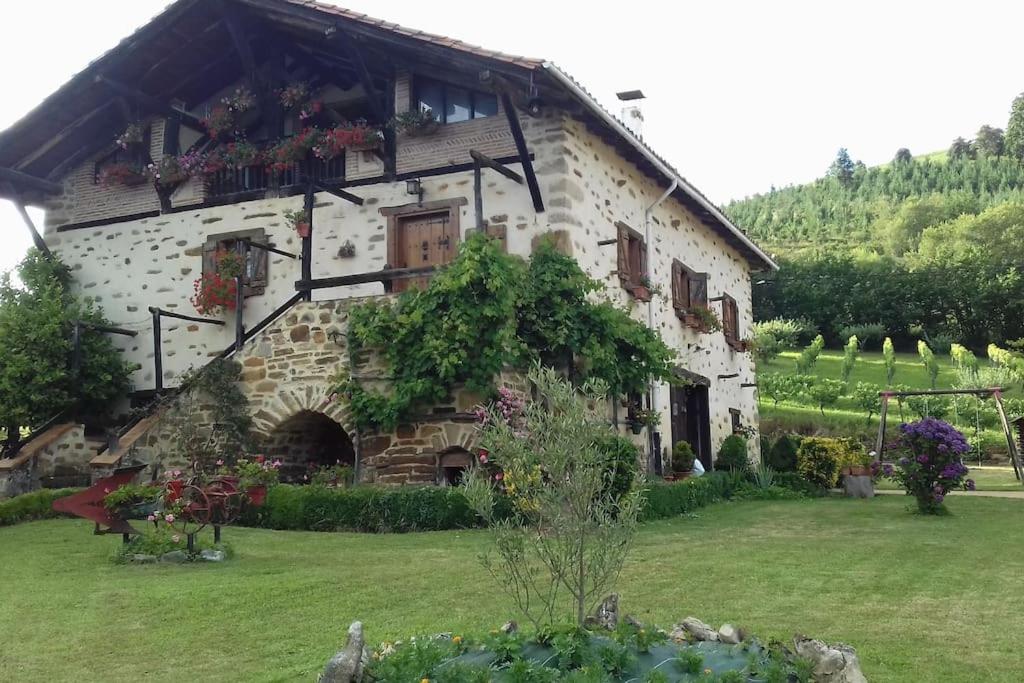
x: 742, y: 95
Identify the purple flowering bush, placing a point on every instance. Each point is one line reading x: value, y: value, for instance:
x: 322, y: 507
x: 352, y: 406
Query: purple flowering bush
x: 931, y: 464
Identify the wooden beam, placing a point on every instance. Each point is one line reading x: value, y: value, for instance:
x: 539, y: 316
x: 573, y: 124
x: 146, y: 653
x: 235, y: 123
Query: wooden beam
x: 31, y: 182
x: 106, y: 328
x: 377, y: 106
x: 189, y: 318
x: 176, y: 53
x: 385, y: 275
x: 238, y: 37
x: 68, y: 132
x: 490, y: 163
x: 37, y: 239
x: 339, y: 193
x: 149, y: 102
x: 478, y: 196
x: 524, y: 153
x: 266, y: 247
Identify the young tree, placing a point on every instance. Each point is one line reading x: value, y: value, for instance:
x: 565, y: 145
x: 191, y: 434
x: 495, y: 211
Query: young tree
x: 865, y: 396
x: 36, y: 321
x: 571, y: 527
x: 807, y: 359
x: 903, y: 156
x: 966, y: 364
x: 989, y: 141
x: 825, y: 393
x: 889, y: 354
x: 850, y: 353
x: 1014, y: 139
x: 928, y: 360
x: 842, y: 168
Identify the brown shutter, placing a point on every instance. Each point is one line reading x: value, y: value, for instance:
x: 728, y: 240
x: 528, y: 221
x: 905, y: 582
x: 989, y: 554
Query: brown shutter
x: 699, y: 289
x: 258, y: 282
x: 210, y: 257
x: 625, y: 273
x: 642, y: 249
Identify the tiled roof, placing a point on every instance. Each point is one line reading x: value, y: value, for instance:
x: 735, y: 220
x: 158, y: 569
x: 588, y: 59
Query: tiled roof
x: 443, y: 41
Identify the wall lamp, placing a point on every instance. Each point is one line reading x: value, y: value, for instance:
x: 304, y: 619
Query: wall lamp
x: 413, y: 186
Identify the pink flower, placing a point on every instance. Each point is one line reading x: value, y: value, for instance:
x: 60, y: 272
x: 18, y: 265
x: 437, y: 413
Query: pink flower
x: 499, y: 476
x: 276, y: 465
x: 483, y: 458
x: 151, y: 518
x: 177, y: 473
x: 176, y: 538
x: 261, y: 459
x: 220, y: 463
x: 169, y: 518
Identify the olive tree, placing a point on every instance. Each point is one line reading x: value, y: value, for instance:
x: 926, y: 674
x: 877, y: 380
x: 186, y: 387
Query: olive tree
x: 573, y: 515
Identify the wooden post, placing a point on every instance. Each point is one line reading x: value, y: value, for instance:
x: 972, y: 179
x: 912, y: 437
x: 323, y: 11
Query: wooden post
x: 76, y: 349
x: 243, y: 252
x: 1010, y: 443
x: 883, y: 417
x: 478, y: 195
x: 158, y: 362
x: 307, y: 242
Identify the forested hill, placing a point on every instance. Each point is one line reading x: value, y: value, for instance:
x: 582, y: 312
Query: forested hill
x: 859, y: 208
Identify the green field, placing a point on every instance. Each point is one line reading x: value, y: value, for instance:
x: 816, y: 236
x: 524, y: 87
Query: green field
x: 870, y: 367
x: 922, y: 599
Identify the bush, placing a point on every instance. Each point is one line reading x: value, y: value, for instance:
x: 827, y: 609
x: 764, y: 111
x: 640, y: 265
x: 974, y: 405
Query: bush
x: 794, y: 482
x: 732, y: 455
x: 622, y: 457
x: 869, y: 334
x: 32, y: 506
x: 930, y: 466
x: 670, y: 500
x: 683, y: 457
x: 818, y: 460
x: 788, y: 332
x: 782, y: 456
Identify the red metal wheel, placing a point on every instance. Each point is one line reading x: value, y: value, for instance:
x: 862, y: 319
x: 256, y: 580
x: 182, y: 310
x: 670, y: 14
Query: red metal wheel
x: 196, y: 510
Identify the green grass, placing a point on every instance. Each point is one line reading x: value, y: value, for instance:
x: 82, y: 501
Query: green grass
x: 986, y: 478
x: 870, y: 367
x: 921, y: 599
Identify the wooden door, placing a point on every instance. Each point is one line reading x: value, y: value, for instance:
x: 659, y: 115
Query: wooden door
x: 691, y: 420
x: 428, y: 239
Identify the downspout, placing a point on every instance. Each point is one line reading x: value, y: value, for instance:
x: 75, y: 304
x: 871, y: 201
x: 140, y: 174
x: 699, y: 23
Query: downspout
x: 653, y: 435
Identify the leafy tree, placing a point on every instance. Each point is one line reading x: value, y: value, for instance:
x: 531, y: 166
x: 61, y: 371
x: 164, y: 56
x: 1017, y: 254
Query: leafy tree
x: 808, y: 358
x: 966, y: 364
x: 778, y: 386
x: 1014, y: 139
x: 889, y: 354
x: 569, y: 533
x: 903, y: 156
x: 36, y: 320
x: 865, y: 397
x: 989, y: 141
x: 929, y: 361
x: 850, y: 353
x: 962, y: 149
x: 842, y: 168
x: 825, y: 393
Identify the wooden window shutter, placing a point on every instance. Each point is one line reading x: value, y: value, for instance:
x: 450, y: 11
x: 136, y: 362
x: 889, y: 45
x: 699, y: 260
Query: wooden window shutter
x: 680, y: 298
x: 625, y: 273
x: 210, y: 257
x: 257, y: 283
x: 729, y: 319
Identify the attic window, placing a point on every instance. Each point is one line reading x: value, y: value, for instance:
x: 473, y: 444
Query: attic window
x: 632, y: 257
x: 255, y: 278
x: 452, y: 103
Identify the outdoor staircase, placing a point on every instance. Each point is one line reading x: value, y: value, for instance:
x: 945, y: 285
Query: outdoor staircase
x: 108, y: 458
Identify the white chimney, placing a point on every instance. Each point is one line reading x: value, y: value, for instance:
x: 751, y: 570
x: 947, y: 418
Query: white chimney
x: 632, y: 113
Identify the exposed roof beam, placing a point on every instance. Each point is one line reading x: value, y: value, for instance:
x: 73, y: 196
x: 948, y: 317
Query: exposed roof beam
x: 238, y: 36
x: 68, y: 132
x: 177, y: 52
x: 524, y: 153
x: 36, y: 237
x: 356, y: 57
x: 24, y: 180
x: 154, y: 104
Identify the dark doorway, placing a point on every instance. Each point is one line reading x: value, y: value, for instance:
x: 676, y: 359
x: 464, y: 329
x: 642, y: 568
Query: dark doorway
x: 691, y: 420
x: 307, y: 441
x: 452, y: 465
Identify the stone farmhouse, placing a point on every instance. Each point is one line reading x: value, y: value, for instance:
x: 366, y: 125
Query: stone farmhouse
x: 513, y: 147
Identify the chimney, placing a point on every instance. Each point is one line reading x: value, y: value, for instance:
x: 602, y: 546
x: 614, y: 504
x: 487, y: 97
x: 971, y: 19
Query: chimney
x: 632, y: 113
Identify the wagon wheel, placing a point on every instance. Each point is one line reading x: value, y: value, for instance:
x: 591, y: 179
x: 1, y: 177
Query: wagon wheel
x: 225, y: 501
x: 195, y: 510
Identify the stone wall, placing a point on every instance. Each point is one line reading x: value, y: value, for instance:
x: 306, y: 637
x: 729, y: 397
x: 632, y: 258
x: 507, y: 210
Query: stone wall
x: 60, y: 455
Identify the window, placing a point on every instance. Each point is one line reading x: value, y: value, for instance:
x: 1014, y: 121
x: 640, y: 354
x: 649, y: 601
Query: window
x: 689, y: 289
x: 134, y: 158
x: 632, y: 257
x: 452, y: 467
x: 255, y: 278
x: 452, y: 103
x: 731, y: 322
x: 737, y: 420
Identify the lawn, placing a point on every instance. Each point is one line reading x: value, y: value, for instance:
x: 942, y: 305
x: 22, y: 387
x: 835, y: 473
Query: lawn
x: 921, y: 599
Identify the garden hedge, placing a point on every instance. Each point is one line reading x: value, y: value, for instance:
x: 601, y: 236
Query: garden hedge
x: 32, y: 506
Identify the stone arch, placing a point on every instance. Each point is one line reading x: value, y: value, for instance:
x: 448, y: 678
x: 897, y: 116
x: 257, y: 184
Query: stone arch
x: 452, y: 464
x: 307, y: 441
x: 272, y: 411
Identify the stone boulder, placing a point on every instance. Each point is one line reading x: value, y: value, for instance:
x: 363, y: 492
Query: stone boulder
x: 347, y: 666
x: 696, y: 628
x: 606, y: 616
x: 730, y: 634
x: 832, y: 663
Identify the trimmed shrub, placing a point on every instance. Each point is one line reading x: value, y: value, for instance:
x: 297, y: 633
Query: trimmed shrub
x: 818, y: 460
x: 732, y: 455
x: 682, y: 457
x: 782, y: 456
x: 32, y: 506
x: 670, y: 500
x: 794, y: 482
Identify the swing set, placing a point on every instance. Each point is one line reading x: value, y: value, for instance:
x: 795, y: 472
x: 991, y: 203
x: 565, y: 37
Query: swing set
x: 994, y: 393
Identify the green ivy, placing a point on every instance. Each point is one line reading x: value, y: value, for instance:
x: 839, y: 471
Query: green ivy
x: 488, y: 310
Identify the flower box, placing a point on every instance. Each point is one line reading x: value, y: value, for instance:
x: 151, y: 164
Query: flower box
x: 302, y: 228
x: 641, y: 293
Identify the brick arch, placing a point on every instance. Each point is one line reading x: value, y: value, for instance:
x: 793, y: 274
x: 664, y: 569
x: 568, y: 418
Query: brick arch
x: 454, y: 436
x: 270, y: 412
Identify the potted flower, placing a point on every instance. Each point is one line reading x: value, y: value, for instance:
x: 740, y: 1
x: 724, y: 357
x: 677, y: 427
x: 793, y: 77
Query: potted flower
x: 132, y: 135
x: 256, y: 475
x: 216, y: 292
x: 299, y: 222
x: 357, y: 136
x: 683, y: 458
x: 227, y: 116
x: 129, y: 175
x: 644, y: 289
x: 416, y: 123
x: 295, y: 149
x: 294, y: 95
x: 703, y: 319
x: 134, y: 501
x: 641, y: 418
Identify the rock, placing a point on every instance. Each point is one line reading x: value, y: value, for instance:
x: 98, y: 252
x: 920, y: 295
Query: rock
x: 347, y: 666
x: 144, y: 559
x: 606, y: 615
x: 730, y: 634
x: 832, y: 663
x: 698, y: 629
x: 212, y: 555
x: 510, y: 627
x: 175, y: 556
x: 858, y: 486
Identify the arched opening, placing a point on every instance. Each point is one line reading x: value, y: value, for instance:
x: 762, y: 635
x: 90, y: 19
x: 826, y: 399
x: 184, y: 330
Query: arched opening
x: 452, y: 465
x: 307, y: 441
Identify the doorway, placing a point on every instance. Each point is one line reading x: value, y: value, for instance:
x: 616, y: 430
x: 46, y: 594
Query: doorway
x: 691, y: 419
x: 424, y: 239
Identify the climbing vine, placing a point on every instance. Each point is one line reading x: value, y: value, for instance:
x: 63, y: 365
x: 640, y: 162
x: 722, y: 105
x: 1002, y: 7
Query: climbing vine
x: 488, y: 310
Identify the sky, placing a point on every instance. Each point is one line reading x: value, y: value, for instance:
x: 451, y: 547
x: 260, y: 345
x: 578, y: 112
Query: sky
x: 741, y: 94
